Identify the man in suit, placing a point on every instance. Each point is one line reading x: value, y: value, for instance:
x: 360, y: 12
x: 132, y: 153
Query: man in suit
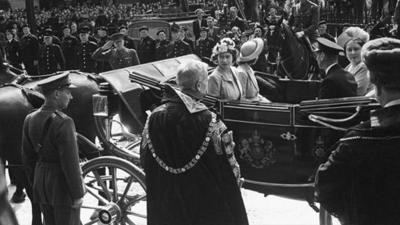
x: 213, y: 31
x: 337, y: 82
x: 198, y: 23
x: 50, y: 155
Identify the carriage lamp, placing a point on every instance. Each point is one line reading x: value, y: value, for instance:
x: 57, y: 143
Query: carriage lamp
x: 106, y: 103
x: 100, y: 105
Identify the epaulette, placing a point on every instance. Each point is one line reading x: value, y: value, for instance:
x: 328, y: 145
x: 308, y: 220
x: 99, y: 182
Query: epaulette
x: 60, y: 114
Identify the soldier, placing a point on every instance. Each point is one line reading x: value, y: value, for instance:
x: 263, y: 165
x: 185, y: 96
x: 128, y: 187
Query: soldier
x: 129, y: 42
x: 51, y: 58
x: 85, y: 51
x: 304, y: 20
x: 120, y: 56
x: 12, y: 50
x: 204, y: 44
x: 179, y: 47
x: 147, y: 46
x: 162, y: 45
x: 50, y: 155
x: 69, y: 45
x: 29, y: 50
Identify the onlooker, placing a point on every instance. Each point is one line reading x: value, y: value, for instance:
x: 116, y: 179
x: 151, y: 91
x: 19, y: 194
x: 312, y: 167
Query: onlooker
x: 199, y: 23
x: 204, y: 44
x: 85, y: 51
x: 29, y: 51
x: 363, y: 171
x: 193, y: 180
x: 12, y: 50
x: 69, y: 45
x: 51, y: 57
x: 162, y: 45
x: 147, y: 46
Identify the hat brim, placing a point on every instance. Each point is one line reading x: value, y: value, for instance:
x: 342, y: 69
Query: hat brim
x: 255, y: 54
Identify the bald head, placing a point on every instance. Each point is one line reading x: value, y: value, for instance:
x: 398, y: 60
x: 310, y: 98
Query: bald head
x: 192, y: 77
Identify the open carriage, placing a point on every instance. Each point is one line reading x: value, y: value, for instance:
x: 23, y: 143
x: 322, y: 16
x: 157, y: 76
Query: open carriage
x: 278, y: 145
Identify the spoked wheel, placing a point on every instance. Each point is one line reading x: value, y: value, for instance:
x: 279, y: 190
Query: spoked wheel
x: 115, y: 192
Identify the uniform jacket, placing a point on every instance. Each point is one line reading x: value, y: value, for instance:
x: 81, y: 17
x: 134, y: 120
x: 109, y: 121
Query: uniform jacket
x: 13, y: 53
x: 146, y: 50
x: 117, y: 58
x: 84, y: 57
x: 29, y: 48
x: 69, y: 46
x: 53, y: 171
x: 225, y: 88
x: 180, y: 48
x: 204, y: 47
x: 338, y: 83
x: 248, y: 81
x: 305, y: 17
x: 197, y: 26
x: 102, y: 65
x: 162, y: 49
x: 360, y: 182
x: 205, y: 194
x: 51, y: 59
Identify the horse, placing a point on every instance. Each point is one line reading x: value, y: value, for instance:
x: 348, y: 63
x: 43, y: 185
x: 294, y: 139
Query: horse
x: 294, y: 57
x: 18, y: 100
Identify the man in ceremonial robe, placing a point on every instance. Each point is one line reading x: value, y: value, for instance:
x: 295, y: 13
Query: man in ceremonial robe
x: 192, y: 175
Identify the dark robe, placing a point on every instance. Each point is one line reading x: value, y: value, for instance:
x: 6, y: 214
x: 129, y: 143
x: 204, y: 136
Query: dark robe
x: 207, y: 193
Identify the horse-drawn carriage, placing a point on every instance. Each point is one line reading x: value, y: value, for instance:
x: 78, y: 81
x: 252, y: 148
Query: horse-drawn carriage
x: 278, y: 145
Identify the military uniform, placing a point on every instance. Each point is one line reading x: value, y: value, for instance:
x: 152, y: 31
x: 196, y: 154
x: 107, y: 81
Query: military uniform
x: 204, y: 47
x: 146, y: 50
x: 305, y: 17
x: 29, y: 53
x: 84, y: 57
x: 102, y: 65
x: 50, y: 157
x: 180, y: 48
x: 51, y: 59
x: 117, y: 58
x: 162, y: 48
x: 69, y: 46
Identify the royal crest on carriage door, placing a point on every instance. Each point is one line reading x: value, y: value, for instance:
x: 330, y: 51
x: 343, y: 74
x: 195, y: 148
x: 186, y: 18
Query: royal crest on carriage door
x: 256, y: 151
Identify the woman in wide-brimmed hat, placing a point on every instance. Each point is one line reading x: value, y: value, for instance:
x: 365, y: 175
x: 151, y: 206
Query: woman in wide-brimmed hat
x: 248, y: 56
x: 223, y: 82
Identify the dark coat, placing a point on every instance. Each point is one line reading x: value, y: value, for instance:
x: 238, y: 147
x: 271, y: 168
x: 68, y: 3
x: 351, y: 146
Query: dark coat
x: 204, y: 47
x: 196, y: 27
x: 338, y: 83
x: 13, y: 53
x: 69, y: 46
x: 180, y: 48
x: 29, y: 48
x: 51, y: 59
x: 146, y: 50
x: 205, y: 194
x: 54, y: 170
x: 84, y: 57
x: 360, y: 182
x: 162, y: 49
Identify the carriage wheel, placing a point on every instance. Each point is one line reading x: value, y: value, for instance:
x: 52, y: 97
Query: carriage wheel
x: 115, y: 192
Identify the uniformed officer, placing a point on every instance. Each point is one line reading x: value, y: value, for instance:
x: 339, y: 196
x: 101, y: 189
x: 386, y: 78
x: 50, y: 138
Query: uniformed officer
x: 29, y: 50
x: 85, y: 51
x: 304, y: 20
x: 147, y: 46
x: 51, y: 58
x: 119, y: 56
x: 129, y: 42
x: 337, y: 83
x: 50, y: 155
x: 204, y: 44
x: 162, y: 45
x: 69, y: 45
x: 179, y: 47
